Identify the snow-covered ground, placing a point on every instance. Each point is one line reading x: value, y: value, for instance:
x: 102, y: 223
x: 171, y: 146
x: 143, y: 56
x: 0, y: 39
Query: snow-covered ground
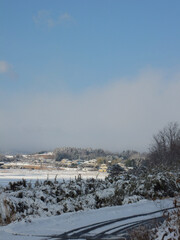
x: 7, y: 175
x: 41, y: 227
x: 59, y: 200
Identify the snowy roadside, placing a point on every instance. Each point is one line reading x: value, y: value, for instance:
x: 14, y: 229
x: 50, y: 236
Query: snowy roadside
x: 40, y: 227
x: 22, y: 199
x: 75, y: 203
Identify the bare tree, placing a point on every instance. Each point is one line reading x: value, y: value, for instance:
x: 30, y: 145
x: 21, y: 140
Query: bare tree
x: 165, y: 148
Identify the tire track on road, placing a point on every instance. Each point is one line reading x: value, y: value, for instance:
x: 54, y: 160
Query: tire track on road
x: 82, y: 231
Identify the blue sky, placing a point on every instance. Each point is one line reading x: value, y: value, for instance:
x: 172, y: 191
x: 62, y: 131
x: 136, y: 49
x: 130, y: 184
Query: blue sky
x: 78, y: 48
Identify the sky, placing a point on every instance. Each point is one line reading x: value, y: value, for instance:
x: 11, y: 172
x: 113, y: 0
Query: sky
x: 87, y: 73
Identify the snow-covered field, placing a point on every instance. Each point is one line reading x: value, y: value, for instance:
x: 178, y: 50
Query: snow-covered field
x: 9, y: 175
x: 41, y: 227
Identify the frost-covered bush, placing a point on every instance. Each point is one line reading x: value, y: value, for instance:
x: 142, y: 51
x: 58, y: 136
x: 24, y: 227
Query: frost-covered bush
x: 116, y: 170
x: 149, y: 186
x: 7, y: 210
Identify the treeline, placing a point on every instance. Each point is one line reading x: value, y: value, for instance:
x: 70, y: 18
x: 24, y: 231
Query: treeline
x: 89, y: 153
x: 81, y: 153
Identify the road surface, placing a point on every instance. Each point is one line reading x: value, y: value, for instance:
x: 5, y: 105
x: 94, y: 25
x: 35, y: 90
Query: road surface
x: 112, y: 229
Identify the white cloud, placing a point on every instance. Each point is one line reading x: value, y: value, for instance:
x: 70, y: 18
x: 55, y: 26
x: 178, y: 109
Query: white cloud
x: 6, y: 68
x: 122, y: 115
x: 45, y: 18
x: 65, y: 17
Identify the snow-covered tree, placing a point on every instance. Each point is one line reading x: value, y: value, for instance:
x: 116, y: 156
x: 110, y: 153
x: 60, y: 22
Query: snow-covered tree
x: 115, y: 170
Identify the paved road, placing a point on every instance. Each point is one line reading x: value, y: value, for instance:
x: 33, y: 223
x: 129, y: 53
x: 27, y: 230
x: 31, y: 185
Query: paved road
x: 112, y: 229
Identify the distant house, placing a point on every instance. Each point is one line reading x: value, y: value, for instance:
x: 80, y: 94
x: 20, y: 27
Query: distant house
x: 47, y: 156
x: 103, y: 168
x: 80, y: 161
x: 1, y: 164
x: 65, y: 162
x: 9, y: 156
x: 93, y: 161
